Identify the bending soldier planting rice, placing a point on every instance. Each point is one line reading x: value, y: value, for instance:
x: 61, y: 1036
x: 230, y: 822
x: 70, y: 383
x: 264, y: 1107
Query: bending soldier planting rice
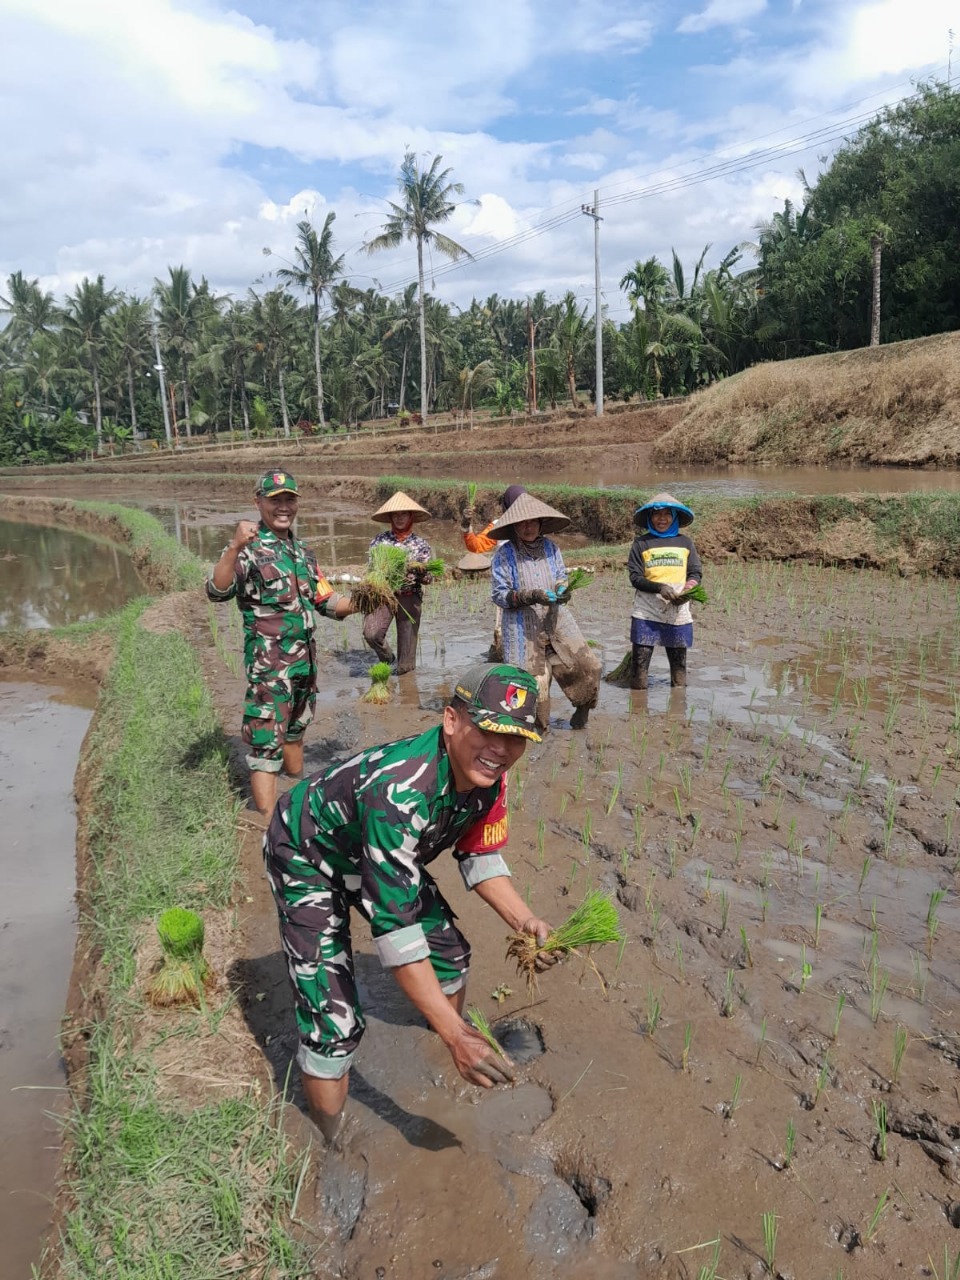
x: 361, y: 835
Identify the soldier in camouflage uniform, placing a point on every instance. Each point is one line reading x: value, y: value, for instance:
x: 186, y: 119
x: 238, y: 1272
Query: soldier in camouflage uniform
x: 361, y: 835
x: 278, y: 588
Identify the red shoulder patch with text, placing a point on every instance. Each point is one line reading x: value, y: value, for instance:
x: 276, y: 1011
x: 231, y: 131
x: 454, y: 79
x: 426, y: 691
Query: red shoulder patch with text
x: 490, y: 833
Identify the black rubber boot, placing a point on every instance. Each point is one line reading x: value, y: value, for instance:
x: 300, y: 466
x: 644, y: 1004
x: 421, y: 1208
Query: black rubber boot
x: 678, y: 666
x: 640, y: 665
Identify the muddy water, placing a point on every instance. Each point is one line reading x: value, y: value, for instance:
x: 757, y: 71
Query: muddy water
x: 52, y: 577
x: 41, y: 729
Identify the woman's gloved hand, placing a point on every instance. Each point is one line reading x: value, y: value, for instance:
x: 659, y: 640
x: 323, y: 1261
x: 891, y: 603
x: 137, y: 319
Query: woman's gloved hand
x: 533, y: 596
x: 466, y: 519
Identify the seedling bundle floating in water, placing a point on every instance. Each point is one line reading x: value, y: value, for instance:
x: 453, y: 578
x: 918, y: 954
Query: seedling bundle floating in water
x: 184, y: 972
x: 593, y: 923
x: 379, y: 690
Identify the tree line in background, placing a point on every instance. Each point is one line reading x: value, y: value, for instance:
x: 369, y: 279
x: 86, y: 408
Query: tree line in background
x: 83, y: 374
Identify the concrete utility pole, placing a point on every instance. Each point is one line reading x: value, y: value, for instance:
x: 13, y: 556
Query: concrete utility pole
x: 163, y: 388
x: 593, y: 211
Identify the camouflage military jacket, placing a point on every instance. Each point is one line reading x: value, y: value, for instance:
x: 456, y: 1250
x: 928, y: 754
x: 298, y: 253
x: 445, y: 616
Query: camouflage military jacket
x: 378, y: 819
x: 275, y: 586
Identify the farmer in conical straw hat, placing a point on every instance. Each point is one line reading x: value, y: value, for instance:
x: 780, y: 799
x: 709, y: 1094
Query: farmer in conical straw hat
x: 401, y: 513
x: 540, y: 633
x: 481, y: 544
x: 662, y: 565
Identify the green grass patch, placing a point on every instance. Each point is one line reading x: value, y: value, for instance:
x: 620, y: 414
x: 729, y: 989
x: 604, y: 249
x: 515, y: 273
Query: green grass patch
x: 176, y: 568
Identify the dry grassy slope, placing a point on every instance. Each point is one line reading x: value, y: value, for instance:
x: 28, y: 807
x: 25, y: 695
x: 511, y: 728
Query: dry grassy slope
x: 896, y: 405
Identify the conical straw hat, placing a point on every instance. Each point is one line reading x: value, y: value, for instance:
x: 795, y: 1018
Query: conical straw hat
x: 473, y: 562
x: 684, y: 514
x: 401, y: 502
x: 527, y: 507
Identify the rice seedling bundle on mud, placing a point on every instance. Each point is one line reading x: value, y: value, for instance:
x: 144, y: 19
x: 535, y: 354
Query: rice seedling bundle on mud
x: 593, y: 923
x: 379, y: 691
x: 184, y: 972
x: 382, y: 581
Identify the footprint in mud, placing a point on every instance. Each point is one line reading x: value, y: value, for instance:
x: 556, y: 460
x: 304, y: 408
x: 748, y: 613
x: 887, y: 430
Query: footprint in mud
x: 341, y: 1190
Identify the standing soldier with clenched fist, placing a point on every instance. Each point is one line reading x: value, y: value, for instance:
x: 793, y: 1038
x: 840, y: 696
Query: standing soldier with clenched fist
x: 278, y: 587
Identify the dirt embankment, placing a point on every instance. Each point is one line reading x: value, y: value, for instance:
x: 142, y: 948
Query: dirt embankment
x: 897, y: 405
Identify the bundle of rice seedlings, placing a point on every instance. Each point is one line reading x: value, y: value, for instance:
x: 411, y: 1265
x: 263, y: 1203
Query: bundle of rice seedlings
x: 594, y: 922
x: 471, y: 494
x: 184, y: 972
x: 382, y: 581
x: 621, y: 671
x: 436, y: 568
x: 695, y: 593
x: 379, y: 690
x: 579, y: 578
x: 480, y: 1023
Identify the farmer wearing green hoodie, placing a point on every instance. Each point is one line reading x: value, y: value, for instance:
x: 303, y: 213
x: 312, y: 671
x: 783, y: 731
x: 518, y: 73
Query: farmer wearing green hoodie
x: 663, y: 565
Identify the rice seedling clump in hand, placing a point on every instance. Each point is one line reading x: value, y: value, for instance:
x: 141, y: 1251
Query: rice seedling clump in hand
x: 184, y: 972
x: 435, y: 568
x: 480, y: 1022
x: 383, y: 579
x: 379, y: 691
x: 593, y: 923
x: 471, y: 494
x: 696, y: 593
x: 579, y: 578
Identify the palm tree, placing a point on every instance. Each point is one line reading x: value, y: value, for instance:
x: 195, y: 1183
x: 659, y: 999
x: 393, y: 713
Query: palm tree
x: 275, y: 326
x: 128, y: 331
x: 403, y: 317
x: 315, y: 272
x: 87, y: 310
x: 184, y: 309
x: 570, y: 336
x: 30, y: 309
x: 426, y: 201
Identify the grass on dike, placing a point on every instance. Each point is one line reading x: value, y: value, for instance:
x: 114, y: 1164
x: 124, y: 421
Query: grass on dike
x: 154, y: 1190
x: 181, y: 568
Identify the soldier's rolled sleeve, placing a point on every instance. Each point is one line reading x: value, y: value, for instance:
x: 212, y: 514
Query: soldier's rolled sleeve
x: 402, y: 946
x: 482, y: 866
x: 327, y: 608
x: 214, y: 592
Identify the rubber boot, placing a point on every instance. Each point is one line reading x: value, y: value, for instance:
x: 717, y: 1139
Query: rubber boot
x: 678, y: 666
x: 640, y: 665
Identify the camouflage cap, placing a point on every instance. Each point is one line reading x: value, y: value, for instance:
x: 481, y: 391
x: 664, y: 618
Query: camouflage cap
x: 273, y: 482
x: 500, y: 699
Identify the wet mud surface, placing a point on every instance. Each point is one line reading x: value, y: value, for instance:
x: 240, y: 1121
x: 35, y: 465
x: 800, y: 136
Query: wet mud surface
x: 781, y: 839
x: 41, y: 729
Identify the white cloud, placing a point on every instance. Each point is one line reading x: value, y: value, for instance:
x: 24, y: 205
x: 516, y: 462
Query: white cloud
x: 721, y: 13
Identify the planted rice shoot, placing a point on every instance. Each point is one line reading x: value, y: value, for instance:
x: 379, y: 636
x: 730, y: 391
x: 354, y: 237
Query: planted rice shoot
x: 184, y: 972
x: 379, y: 691
x: 384, y: 578
x: 593, y: 923
x: 481, y: 1024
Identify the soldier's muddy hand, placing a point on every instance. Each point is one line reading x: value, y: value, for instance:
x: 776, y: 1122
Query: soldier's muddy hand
x: 541, y: 930
x: 244, y: 534
x: 477, y: 1062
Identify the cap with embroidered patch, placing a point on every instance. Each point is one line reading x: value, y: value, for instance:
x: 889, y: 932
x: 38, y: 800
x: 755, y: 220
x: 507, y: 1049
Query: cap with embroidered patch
x: 500, y: 698
x: 274, y: 482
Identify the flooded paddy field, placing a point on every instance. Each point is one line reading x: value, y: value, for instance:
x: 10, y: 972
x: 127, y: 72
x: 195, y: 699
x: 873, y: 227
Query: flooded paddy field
x: 767, y: 1069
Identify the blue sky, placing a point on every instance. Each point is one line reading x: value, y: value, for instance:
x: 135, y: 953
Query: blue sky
x: 156, y: 132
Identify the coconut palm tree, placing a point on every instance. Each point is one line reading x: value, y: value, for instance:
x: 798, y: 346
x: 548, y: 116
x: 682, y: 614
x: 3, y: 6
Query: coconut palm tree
x: 275, y: 325
x: 403, y: 317
x: 87, y: 309
x: 570, y: 332
x: 30, y: 309
x: 185, y: 308
x: 427, y: 201
x: 315, y: 273
x: 128, y: 332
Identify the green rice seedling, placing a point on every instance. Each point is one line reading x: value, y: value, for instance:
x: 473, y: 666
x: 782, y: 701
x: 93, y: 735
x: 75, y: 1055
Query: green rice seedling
x: 436, y: 568
x: 951, y: 1266
x: 920, y: 975
x: 734, y: 1102
x: 806, y: 968
x: 817, y: 922
x: 578, y: 578
x: 564, y: 801
x: 383, y: 579
x: 724, y: 911
x: 696, y: 822
x: 709, y: 1269
x: 678, y: 803
x: 899, y: 1049
x: 660, y: 763
x: 864, y: 872
x: 184, y: 972
x: 617, y: 786
x: 541, y: 834
x: 480, y: 1023
x: 727, y: 1004
x: 637, y: 830
x: 678, y: 951
x: 737, y: 846
x: 933, y: 920
x: 789, y: 1145
x: 707, y: 880
x: 671, y: 859
x: 745, y: 951
x: 878, y: 990
x: 769, y: 1222
x: 696, y: 593
x: 838, y: 1014
x: 875, y: 1218
x: 379, y: 691
x: 586, y: 832
x: 648, y: 892
x: 823, y: 1077
x: 471, y: 494
x: 686, y: 780
x: 578, y: 789
x: 594, y: 923
x: 687, y: 1041
x: 763, y: 902
x: 653, y: 1011
x: 880, y: 1129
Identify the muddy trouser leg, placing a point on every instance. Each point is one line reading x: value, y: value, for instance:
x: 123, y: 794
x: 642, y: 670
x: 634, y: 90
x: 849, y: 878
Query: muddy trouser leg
x: 375, y: 628
x: 580, y: 681
x: 640, y: 665
x: 678, y: 665
x: 408, y: 629
x: 495, y: 653
x: 543, y: 698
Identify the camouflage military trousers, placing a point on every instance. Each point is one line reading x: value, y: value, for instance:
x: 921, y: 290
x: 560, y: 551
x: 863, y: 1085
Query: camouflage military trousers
x: 277, y: 710
x: 313, y: 901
